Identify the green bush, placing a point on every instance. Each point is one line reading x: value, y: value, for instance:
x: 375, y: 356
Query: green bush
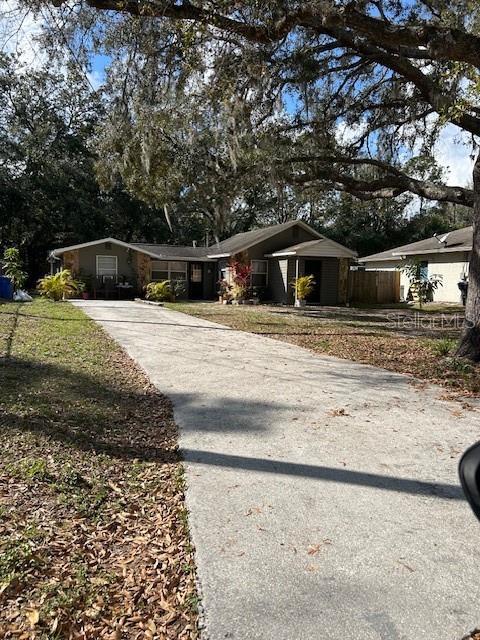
x: 443, y: 346
x: 12, y: 268
x: 159, y: 291
x: 59, y: 286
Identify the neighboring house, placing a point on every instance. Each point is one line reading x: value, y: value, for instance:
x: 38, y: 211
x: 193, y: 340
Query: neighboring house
x: 277, y: 255
x: 445, y: 255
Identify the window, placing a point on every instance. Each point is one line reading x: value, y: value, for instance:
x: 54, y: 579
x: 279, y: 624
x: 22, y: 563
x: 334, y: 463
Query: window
x: 259, y: 273
x: 196, y: 273
x: 424, y: 270
x: 107, y: 267
x: 159, y: 270
x: 226, y: 274
x: 169, y: 270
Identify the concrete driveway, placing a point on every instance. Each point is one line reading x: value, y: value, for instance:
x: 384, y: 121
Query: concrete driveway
x: 323, y: 494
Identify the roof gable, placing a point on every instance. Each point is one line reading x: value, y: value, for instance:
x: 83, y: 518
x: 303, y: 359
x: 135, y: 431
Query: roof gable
x: 323, y: 247
x: 155, y: 251
x: 92, y: 243
x: 243, y: 241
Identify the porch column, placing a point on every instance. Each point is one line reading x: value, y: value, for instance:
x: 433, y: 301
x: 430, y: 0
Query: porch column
x: 296, y: 278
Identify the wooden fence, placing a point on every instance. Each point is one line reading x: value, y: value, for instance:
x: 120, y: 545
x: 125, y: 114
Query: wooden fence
x: 374, y: 287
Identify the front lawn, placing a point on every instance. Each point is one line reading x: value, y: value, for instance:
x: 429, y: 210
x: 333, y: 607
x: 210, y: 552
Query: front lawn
x: 402, y: 338
x: 94, y: 539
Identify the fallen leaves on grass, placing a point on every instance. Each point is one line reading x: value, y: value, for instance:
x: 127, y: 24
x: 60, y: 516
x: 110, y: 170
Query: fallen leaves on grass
x: 94, y: 539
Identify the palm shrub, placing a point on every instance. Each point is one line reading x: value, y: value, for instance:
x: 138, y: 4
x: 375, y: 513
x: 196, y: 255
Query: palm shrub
x: 58, y: 286
x: 12, y: 268
x: 422, y: 286
x: 159, y: 291
x: 303, y: 286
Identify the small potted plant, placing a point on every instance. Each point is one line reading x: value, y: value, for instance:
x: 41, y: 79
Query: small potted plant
x: 303, y: 287
x: 224, y: 292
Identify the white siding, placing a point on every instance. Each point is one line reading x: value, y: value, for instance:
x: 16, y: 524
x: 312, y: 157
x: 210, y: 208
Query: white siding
x: 451, y: 266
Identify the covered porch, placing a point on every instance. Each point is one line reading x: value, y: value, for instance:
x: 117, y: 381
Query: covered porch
x: 328, y: 262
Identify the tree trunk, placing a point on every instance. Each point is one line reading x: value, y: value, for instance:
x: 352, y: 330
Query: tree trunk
x: 469, y: 345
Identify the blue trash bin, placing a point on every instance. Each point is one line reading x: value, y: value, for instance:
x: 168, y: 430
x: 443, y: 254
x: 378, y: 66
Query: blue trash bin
x: 6, y: 288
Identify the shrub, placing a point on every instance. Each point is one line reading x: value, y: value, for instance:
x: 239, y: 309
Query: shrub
x: 303, y: 286
x: 422, y: 286
x: 12, y: 268
x: 241, y: 274
x: 159, y: 291
x: 59, y: 286
x: 177, y: 288
x: 443, y: 346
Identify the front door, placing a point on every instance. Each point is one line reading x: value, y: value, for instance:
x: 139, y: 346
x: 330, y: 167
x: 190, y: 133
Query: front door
x: 314, y: 268
x: 195, y: 281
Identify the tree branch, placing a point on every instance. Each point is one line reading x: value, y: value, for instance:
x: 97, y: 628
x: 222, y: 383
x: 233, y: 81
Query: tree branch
x: 391, y: 184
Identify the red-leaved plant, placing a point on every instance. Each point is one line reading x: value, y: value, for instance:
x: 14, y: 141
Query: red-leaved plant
x: 241, y: 273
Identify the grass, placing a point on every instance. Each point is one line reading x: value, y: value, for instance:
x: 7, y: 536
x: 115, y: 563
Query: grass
x: 398, y: 338
x: 94, y: 534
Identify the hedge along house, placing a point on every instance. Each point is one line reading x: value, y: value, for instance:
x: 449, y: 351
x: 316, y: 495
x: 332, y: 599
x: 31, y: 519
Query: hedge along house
x: 277, y: 254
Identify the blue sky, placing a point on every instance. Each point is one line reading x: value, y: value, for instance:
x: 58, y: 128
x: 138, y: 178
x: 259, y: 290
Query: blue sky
x: 97, y: 74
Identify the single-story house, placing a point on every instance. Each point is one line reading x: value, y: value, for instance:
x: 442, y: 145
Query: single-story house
x: 277, y: 254
x: 445, y: 255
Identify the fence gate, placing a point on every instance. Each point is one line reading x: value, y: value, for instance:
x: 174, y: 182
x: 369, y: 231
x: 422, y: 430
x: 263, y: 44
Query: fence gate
x: 375, y: 287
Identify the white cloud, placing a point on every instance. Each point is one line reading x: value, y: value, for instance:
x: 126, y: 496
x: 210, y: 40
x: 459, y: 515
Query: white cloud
x: 95, y: 78
x: 19, y: 32
x: 347, y: 134
x: 453, y: 151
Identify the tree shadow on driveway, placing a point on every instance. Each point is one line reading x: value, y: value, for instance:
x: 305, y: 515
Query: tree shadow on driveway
x: 93, y: 415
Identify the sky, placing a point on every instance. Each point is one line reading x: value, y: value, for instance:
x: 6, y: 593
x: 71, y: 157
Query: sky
x: 453, y: 149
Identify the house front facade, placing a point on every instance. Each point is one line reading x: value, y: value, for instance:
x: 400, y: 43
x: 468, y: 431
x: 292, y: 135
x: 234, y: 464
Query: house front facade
x: 277, y: 255
x: 445, y: 256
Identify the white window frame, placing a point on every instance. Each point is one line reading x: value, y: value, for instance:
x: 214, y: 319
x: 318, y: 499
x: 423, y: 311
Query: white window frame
x: 260, y: 273
x: 106, y: 275
x: 169, y: 269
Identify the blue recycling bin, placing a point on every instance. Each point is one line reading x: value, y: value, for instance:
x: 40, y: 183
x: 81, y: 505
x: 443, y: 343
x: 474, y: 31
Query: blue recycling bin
x: 6, y: 288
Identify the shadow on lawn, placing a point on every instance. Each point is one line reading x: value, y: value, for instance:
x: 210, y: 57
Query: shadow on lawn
x: 361, y: 329
x: 89, y: 320
x: 76, y: 409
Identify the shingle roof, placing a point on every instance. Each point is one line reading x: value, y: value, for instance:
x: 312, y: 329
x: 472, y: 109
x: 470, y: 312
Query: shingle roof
x: 242, y: 241
x: 169, y: 250
x: 458, y: 240
x: 321, y: 246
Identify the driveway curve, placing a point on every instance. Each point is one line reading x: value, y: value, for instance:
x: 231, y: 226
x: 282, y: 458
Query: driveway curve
x: 323, y: 494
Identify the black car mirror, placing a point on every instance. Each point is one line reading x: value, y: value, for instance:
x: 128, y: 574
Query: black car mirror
x: 469, y: 472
